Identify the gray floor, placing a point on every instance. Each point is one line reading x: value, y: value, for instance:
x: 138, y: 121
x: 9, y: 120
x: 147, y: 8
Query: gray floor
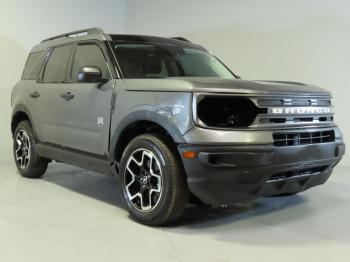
x: 76, y: 215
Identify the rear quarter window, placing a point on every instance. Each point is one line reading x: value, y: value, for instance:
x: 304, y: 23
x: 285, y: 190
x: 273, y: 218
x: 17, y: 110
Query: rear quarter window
x: 33, y: 65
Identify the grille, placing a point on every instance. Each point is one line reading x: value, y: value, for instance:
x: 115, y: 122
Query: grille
x: 293, y: 116
x: 281, y: 120
x: 303, y: 138
x: 293, y: 102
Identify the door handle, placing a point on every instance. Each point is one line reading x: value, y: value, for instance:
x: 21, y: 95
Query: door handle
x: 67, y: 96
x: 34, y: 94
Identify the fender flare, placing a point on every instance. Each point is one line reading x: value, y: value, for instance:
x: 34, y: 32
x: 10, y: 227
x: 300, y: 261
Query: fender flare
x: 144, y: 115
x: 21, y: 108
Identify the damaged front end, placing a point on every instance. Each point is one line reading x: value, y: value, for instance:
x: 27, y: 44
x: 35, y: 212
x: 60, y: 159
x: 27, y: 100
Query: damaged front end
x: 246, y: 148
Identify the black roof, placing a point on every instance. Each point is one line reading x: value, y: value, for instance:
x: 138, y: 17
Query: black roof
x: 99, y: 34
x: 154, y: 39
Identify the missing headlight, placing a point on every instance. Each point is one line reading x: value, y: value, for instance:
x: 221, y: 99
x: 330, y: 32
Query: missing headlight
x: 227, y: 112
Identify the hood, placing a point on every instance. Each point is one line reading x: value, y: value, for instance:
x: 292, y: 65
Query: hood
x: 220, y: 85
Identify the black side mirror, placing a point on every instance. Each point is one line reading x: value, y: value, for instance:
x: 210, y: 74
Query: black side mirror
x: 90, y: 74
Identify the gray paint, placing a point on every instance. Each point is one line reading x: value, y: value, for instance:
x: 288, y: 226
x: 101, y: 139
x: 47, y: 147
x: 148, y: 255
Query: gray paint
x: 79, y: 127
x: 171, y: 110
x: 219, y: 85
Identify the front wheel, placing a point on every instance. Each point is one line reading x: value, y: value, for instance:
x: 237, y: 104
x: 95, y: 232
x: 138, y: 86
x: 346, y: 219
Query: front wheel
x: 28, y: 163
x: 153, y: 180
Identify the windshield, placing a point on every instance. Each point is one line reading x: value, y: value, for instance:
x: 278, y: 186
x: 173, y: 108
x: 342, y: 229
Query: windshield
x: 167, y: 60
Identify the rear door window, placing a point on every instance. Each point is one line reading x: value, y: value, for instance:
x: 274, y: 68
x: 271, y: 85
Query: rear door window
x: 33, y: 65
x: 56, y: 67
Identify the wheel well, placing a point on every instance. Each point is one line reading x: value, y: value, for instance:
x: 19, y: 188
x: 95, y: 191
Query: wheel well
x: 144, y: 127
x: 136, y: 129
x: 16, y: 119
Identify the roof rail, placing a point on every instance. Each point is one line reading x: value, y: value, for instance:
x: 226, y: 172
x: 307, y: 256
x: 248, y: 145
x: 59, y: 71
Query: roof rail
x: 88, y: 31
x: 181, y: 38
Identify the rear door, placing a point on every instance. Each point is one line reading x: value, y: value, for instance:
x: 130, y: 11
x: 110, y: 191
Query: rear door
x: 86, y: 116
x: 29, y: 95
x: 46, y: 105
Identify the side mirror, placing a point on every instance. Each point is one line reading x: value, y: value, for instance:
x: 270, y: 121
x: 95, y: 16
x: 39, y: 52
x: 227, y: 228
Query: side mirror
x: 90, y: 74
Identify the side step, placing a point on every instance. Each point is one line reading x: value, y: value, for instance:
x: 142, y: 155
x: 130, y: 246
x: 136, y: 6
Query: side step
x: 74, y: 157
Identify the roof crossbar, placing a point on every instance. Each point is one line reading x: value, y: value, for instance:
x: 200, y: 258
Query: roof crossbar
x: 88, y: 31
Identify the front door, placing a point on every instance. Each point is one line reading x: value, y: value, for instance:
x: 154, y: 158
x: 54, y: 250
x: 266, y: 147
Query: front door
x: 87, y: 109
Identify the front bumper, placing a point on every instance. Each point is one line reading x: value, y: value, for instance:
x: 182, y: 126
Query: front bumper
x: 224, y: 175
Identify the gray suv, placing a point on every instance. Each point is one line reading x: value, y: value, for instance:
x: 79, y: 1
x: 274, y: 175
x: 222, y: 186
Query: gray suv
x: 171, y: 121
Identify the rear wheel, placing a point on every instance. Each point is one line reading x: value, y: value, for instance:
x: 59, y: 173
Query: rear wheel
x: 28, y: 163
x: 154, y: 184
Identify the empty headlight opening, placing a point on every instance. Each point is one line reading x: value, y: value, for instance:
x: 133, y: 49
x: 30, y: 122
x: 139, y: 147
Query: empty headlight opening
x: 227, y: 112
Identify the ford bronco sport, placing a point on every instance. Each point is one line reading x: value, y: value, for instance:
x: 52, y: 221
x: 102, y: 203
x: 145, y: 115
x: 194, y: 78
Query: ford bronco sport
x: 171, y: 120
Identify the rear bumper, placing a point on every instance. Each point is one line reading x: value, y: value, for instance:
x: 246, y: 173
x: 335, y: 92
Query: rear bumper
x: 223, y: 175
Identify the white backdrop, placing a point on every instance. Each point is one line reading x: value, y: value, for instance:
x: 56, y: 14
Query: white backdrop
x: 298, y: 40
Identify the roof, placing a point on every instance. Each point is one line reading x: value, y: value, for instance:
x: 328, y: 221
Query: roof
x: 98, y: 34
x: 123, y: 38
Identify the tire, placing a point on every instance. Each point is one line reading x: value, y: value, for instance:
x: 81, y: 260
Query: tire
x: 150, y: 161
x: 28, y: 163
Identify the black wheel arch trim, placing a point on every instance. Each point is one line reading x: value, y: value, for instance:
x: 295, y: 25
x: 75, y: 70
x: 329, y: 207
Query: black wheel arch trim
x: 144, y: 115
x: 21, y: 108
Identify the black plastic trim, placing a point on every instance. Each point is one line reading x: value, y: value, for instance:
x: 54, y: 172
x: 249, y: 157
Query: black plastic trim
x: 224, y: 175
x: 74, y: 157
x: 136, y: 116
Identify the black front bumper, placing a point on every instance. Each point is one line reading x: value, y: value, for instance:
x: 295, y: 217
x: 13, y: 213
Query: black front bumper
x: 224, y: 175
